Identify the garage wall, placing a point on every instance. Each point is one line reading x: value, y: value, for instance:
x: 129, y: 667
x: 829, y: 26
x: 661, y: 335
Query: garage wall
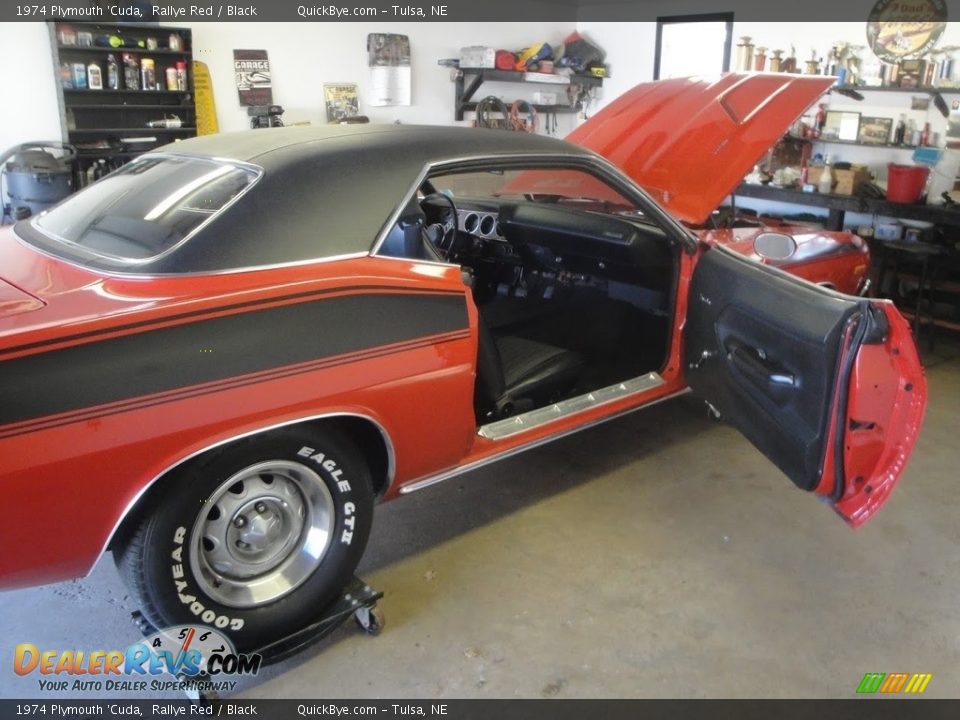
x: 630, y: 47
x: 303, y: 56
x: 30, y: 97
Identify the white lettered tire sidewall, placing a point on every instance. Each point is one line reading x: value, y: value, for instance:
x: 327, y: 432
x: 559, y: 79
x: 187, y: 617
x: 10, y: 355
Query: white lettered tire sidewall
x: 173, y: 593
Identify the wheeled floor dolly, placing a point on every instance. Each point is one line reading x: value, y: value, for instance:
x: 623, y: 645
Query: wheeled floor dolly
x: 357, y: 600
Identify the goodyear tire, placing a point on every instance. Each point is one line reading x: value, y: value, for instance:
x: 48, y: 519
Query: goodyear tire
x: 253, y: 539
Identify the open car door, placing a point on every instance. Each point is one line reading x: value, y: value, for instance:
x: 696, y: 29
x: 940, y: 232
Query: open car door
x: 828, y: 386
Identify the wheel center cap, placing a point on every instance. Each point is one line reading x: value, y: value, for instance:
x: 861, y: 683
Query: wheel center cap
x: 261, y: 531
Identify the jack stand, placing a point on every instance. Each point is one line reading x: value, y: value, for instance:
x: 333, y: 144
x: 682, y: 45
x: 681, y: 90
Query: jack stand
x: 357, y: 599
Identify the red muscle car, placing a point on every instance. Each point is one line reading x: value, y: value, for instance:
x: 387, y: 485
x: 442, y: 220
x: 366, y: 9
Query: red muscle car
x: 215, y: 360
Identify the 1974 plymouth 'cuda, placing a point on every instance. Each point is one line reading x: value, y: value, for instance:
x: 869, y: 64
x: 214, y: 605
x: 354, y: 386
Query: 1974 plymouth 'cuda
x: 215, y: 360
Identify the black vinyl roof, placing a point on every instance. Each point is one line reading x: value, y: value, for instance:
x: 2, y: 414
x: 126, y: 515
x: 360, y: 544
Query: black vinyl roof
x: 328, y: 191
x: 324, y: 191
x: 423, y: 142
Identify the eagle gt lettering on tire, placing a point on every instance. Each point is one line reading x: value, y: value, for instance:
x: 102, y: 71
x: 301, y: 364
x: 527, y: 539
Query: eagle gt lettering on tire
x: 253, y: 538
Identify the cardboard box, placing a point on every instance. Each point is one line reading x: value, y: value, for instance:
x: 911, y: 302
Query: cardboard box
x: 845, y: 182
x: 478, y: 56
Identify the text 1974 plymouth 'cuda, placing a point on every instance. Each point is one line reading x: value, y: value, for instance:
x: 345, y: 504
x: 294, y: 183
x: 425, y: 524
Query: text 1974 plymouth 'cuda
x: 214, y: 360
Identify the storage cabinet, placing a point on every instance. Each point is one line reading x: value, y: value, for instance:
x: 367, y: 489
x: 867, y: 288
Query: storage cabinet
x: 110, y: 126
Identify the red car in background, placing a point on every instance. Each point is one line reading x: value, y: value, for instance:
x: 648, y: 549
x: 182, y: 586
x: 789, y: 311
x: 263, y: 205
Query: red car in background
x: 215, y: 360
x: 690, y: 142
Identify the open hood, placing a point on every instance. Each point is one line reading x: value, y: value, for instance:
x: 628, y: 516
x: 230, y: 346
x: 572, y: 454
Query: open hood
x: 690, y: 141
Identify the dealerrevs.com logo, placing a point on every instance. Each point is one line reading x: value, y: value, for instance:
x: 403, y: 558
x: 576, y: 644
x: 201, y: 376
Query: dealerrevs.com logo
x: 196, y: 655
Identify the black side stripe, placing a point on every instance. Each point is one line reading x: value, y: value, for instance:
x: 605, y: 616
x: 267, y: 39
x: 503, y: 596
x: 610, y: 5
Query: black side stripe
x: 164, y: 359
x: 145, y: 324
x: 147, y: 401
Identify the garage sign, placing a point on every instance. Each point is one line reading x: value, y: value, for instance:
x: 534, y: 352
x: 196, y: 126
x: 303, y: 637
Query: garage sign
x: 251, y: 68
x: 899, y: 29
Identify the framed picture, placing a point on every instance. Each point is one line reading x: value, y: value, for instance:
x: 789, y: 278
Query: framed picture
x: 875, y: 130
x: 841, y: 125
x: 341, y: 100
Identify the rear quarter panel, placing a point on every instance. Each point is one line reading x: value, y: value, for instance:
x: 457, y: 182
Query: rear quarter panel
x: 72, y: 474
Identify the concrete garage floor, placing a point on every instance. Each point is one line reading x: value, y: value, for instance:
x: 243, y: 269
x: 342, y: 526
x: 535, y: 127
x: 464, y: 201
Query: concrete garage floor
x: 656, y: 556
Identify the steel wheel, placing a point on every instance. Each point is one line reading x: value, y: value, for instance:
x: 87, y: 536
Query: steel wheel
x: 254, y: 538
x: 264, y: 531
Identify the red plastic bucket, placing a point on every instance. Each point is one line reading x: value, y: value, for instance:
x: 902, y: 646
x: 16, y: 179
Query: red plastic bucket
x: 905, y: 183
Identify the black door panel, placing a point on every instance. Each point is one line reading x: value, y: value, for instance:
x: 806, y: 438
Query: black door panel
x: 763, y: 348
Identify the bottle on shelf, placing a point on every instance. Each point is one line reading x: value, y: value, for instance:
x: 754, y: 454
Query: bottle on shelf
x: 825, y: 183
x: 925, y: 135
x: 148, y: 74
x: 900, y: 133
x: 820, y: 119
x: 79, y: 76
x: 94, y: 77
x: 113, y: 73
x: 182, y: 75
x: 911, y: 136
x: 66, y: 75
x: 131, y: 72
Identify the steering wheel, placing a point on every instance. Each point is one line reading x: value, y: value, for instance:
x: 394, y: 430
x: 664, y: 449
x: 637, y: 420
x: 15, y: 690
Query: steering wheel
x: 443, y: 236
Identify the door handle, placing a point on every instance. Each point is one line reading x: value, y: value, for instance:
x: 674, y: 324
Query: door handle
x: 754, y: 363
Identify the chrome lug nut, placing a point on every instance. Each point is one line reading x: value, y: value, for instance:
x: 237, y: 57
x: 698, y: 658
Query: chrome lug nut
x: 261, y: 508
x: 239, y: 521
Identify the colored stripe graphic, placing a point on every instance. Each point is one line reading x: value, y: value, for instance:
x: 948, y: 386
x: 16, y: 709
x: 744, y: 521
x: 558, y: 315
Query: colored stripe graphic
x: 893, y: 683
x: 870, y: 683
x: 918, y: 683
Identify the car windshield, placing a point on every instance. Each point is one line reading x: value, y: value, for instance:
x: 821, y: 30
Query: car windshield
x: 147, y: 208
x: 573, y: 188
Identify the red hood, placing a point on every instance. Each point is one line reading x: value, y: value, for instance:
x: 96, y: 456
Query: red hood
x: 689, y: 141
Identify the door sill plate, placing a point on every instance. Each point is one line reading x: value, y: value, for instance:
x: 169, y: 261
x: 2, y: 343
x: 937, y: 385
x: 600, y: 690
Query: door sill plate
x: 541, y: 416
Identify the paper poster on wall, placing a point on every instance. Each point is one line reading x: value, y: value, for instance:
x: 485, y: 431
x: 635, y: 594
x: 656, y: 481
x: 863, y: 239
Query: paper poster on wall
x: 389, y: 60
x: 252, y: 71
x: 341, y: 100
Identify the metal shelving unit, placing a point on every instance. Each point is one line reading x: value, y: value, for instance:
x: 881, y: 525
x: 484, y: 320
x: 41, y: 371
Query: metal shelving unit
x: 96, y: 122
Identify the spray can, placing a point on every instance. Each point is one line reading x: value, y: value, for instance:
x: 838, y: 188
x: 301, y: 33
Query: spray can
x: 113, y: 73
x: 148, y: 74
x: 182, y: 76
x: 131, y: 72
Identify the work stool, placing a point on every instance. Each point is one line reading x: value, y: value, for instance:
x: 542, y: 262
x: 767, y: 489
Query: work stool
x: 911, y: 256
